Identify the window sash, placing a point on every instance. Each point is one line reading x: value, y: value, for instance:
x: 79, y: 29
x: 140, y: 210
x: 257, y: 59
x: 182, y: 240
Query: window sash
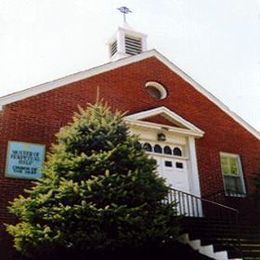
x: 232, y: 174
x: 233, y: 185
x: 230, y: 165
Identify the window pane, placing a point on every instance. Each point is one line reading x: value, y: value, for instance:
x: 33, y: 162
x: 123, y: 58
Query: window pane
x: 167, y: 150
x: 224, y: 165
x: 179, y: 165
x: 234, y: 168
x: 154, y: 92
x: 177, y: 151
x: 168, y: 163
x: 229, y: 165
x: 147, y: 147
x: 233, y: 185
x: 157, y: 148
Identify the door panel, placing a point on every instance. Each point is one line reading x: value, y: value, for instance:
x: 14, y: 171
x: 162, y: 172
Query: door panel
x: 174, y: 171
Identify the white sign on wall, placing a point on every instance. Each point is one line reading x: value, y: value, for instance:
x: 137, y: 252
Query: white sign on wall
x: 24, y: 160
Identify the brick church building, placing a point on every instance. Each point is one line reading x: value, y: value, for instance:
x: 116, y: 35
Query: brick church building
x: 201, y: 147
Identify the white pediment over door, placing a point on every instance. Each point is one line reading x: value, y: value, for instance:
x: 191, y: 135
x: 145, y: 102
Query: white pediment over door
x: 164, y: 118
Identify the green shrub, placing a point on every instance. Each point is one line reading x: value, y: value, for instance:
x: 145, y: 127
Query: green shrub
x: 99, y: 193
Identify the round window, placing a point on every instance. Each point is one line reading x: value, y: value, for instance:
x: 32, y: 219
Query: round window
x: 156, y: 90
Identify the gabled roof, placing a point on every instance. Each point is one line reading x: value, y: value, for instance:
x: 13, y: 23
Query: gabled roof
x: 184, y: 126
x: 117, y: 64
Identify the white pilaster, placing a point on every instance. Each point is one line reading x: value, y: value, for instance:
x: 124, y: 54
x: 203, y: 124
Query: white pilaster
x: 195, y: 183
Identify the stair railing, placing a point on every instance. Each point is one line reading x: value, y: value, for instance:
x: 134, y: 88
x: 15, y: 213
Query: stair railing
x: 217, y: 218
x: 191, y: 205
x: 221, y: 195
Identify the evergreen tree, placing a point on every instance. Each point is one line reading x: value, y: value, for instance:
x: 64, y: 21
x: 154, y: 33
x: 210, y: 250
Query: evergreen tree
x: 99, y: 193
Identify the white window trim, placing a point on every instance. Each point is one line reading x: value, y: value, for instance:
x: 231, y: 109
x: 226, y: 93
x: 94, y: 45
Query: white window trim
x: 157, y: 86
x: 241, y: 175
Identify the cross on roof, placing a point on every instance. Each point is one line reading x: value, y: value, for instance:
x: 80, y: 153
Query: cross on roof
x: 124, y: 10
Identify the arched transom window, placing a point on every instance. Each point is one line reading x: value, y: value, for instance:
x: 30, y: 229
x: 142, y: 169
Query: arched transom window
x: 162, y: 149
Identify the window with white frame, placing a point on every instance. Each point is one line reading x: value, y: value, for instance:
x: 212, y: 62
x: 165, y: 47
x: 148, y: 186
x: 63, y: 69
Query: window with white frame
x: 232, y: 174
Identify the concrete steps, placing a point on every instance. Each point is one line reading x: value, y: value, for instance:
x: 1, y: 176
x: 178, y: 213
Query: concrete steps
x: 207, y: 250
x: 223, y: 237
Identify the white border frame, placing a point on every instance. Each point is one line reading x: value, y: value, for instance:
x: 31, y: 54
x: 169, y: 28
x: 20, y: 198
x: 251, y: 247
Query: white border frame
x: 8, y: 175
x: 157, y: 86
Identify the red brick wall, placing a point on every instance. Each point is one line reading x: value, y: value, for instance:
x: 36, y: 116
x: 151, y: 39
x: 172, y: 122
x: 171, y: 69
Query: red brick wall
x: 38, y: 118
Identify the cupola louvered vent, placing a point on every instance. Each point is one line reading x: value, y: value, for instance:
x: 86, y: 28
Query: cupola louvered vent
x: 126, y: 42
x: 133, y: 46
x: 113, y: 48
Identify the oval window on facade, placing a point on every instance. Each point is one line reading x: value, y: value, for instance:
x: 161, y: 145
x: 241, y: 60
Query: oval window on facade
x: 147, y: 147
x: 157, y: 148
x: 156, y: 90
x: 177, y: 151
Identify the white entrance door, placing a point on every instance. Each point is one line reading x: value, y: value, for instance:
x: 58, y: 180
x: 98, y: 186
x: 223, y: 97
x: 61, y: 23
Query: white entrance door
x: 172, y: 166
x: 176, y: 175
x: 174, y: 171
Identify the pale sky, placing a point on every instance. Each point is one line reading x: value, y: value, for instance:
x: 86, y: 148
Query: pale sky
x: 216, y: 42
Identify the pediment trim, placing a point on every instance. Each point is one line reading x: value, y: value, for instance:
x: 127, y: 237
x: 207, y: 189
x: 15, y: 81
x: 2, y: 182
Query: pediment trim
x: 184, y: 127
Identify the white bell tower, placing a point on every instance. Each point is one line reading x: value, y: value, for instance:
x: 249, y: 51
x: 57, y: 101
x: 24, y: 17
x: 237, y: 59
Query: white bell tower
x: 126, y: 41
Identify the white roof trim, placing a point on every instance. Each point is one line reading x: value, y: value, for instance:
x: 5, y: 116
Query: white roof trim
x: 114, y: 65
x: 188, y: 128
x: 14, y: 97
